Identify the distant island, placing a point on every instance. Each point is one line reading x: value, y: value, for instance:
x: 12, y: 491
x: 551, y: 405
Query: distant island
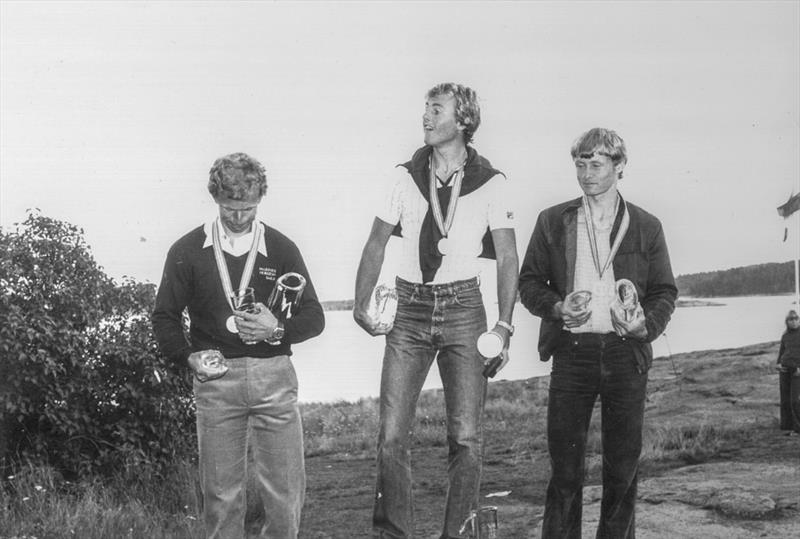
x: 337, y: 305
x: 756, y: 280
x: 697, y: 303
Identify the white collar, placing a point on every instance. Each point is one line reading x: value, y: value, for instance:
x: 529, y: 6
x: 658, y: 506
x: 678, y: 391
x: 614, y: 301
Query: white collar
x: 241, y: 245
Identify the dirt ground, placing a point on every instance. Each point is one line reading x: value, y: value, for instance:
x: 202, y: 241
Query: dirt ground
x: 745, y: 488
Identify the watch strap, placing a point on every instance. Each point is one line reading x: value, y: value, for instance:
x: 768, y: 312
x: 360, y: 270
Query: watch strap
x: 506, y: 325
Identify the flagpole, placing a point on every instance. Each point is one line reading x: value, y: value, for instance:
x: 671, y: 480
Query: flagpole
x: 797, y: 257
x: 797, y: 264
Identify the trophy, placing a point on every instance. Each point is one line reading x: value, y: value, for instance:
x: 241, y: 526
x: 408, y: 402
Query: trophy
x: 481, y: 523
x: 383, y: 307
x: 212, y: 366
x: 626, y: 299
x: 284, y: 300
x: 490, y: 346
x: 579, y: 300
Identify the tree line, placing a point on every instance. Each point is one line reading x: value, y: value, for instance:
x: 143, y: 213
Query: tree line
x: 759, y: 279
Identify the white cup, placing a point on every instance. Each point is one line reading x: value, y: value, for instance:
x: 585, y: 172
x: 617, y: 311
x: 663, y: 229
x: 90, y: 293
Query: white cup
x: 490, y: 344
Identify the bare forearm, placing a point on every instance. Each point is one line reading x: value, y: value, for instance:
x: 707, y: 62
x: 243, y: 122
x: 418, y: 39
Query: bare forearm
x: 367, y: 276
x: 507, y: 271
x: 506, y: 287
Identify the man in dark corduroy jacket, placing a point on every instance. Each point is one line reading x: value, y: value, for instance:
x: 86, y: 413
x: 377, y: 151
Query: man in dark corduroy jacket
x: 582, y: 248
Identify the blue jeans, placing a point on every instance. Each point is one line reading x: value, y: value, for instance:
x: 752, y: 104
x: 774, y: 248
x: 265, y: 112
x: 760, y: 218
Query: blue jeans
x: 261, y: 393
x: 442, y: 322
x: 586, y: 366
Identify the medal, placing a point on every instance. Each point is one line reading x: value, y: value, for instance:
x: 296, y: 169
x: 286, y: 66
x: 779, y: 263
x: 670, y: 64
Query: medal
x: 442, y: 223
x: 222, y: 268
x: 230, y: 323
x: 623, y: 229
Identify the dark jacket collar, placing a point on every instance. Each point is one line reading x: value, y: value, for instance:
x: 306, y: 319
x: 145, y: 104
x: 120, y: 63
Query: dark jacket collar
x: 477, y: 171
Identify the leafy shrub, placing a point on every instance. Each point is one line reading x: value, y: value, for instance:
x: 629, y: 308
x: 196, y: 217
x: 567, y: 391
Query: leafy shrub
x: 82, y: 385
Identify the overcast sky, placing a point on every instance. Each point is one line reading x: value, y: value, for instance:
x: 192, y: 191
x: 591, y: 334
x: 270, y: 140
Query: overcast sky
x: 112, y: 113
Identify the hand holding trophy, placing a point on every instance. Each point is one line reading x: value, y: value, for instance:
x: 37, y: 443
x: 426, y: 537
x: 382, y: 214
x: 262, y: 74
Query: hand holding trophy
x: 490, y: 346
x: 244, y: 300
x: 284, y: 301
x: 382, y: 309
x: 626, y: 299
x: 627, y: 315
x: 208, y: 365
x: 575, y: 309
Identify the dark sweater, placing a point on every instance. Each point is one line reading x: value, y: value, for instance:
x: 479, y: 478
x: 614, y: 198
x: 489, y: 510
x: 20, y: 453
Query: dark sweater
x: 191, y: 279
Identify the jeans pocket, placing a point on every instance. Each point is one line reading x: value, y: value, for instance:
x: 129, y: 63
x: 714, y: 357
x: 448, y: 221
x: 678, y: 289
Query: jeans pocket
x: 471, y: 299
x: 406, y: 298
x: 639, y: 355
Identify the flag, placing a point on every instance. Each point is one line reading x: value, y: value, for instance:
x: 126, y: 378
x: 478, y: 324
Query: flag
x: 791, y: 206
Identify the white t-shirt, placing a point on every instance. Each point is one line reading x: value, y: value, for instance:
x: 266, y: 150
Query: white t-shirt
x: 586, y: 278
x: 488, y: 206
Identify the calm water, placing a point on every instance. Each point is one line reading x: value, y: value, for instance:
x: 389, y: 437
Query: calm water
x: 344, y: 363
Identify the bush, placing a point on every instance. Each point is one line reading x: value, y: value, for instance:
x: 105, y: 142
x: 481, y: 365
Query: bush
x: 83, y: 386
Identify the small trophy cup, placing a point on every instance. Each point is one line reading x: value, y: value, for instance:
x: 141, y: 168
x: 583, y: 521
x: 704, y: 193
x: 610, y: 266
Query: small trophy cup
x: 284, y: 300
x: 627, y: 299
x: 213, y: 365
x: 383, y: 308
x: 579, y: 300
x: 481, y: 524
x: 285, y: 297
x: 490, y: 346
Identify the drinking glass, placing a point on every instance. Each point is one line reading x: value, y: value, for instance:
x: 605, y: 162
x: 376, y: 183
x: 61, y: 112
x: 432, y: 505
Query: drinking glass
x: 244, y: 299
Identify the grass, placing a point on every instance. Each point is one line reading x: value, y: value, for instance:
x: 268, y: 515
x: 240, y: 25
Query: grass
x: 36, y: 502
x: 695, y: 443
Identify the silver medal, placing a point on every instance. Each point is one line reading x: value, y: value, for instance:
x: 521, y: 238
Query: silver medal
x: 230, y: 323
x: 444, y: 246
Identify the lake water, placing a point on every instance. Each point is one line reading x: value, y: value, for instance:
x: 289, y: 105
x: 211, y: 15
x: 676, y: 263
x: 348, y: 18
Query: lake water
x: 344, y: 363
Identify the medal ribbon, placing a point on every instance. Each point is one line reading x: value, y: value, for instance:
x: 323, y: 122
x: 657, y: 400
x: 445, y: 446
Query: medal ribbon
x: 436, y: 209
x: 623, y: 229
x: 222, y: 266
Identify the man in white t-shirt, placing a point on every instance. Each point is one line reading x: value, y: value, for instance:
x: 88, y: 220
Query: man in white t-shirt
x: 449, y: 207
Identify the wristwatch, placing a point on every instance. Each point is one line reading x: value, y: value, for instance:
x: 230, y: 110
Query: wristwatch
x: 277, y: 333
x: 506, y: 325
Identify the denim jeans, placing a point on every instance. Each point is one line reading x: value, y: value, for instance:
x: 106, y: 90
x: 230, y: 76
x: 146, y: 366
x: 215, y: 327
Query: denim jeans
x: 261, y: 393
x: 586, y: 366
x: 442, y: 322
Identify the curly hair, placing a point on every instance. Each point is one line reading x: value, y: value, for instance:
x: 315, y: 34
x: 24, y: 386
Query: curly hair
x: 603, y: 141
x: 468, y: 111
x: 237, y: 176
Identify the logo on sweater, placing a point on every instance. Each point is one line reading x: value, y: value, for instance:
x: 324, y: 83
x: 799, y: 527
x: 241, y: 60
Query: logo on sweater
x: 269, y: 273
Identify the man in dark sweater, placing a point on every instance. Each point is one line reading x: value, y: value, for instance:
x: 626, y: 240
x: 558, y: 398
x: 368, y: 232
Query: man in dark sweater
x: 243, y: 374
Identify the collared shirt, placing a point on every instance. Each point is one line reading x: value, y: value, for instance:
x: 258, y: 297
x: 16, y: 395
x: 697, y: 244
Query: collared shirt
x: 234, y: 246
x: 489, y: 206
